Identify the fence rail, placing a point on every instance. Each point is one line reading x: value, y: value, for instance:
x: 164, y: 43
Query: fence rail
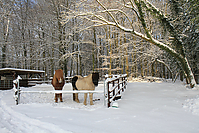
x: 61, y: 91
x: 18, y: 93
x: 118, y: 86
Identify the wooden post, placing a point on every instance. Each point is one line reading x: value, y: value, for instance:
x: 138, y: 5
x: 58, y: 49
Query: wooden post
x: 113, y: 90
x: 109, y: 103
x: 125, y: 82
x: 118, y: 81
x: 122, y: 84
x: 18, y: 92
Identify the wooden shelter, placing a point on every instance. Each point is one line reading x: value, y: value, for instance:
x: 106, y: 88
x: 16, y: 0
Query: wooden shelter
x: 7, y: 75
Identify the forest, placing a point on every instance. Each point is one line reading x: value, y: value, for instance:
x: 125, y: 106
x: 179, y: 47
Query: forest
x: 158, y: 38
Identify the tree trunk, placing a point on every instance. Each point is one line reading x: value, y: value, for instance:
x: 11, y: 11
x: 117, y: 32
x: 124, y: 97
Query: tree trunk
x: 126, y: 57
x: 179, y: 56
x: 5, y: 37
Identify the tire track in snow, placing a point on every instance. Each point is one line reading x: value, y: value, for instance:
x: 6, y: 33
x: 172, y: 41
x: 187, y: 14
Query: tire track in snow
x: 14, y: 122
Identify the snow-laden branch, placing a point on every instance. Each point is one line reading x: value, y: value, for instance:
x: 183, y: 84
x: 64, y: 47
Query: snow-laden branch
x: 162, y: 17
x: 107, y: 11
x: 180, y: 56
x: 138, y: 8
x: 102, y: 21
x: 65, y: 56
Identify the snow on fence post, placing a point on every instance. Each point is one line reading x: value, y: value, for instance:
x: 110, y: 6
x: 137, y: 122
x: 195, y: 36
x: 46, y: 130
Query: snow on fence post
x: 18, y: 93
x: 17, y: 90
x: 113, y: 92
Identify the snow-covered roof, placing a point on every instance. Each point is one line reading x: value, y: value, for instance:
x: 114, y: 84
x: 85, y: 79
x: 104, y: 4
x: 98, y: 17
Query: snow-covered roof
x: 19, y: 71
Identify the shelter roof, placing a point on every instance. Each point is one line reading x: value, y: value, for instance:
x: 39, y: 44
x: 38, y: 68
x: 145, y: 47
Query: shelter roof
x: 20, y: 71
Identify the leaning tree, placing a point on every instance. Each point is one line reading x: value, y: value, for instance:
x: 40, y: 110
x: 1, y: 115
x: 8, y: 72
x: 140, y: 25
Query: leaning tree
x: 139, y: 11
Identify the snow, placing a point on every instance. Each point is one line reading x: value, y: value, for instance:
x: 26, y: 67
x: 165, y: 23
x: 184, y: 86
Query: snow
x: 192, y: 105
x: 24, y: 70
x: 145, y: 107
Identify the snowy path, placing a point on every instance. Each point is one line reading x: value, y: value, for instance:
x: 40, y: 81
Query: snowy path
x: 14, y: 122
x: 144, y: 108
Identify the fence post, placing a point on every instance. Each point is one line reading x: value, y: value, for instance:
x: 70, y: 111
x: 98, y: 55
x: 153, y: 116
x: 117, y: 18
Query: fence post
x: 123, y: 84
x: 17, y: 92
x: 113, y: 90
x: 125, y: 78
x: 108, y: 93
x: 105, y: 86
x: 118, y: 81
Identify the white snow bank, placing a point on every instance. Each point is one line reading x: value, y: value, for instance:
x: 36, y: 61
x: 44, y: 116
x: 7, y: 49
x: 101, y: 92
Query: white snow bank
x: 192, y: 105
x: 15, y: 122
x: 145, y: 107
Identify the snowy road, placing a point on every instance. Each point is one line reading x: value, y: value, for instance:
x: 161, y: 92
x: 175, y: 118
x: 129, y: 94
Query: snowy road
x: 145, y: 107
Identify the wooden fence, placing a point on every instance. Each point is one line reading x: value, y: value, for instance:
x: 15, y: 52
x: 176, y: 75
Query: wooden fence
x: 119, y: 84
x: 110, y: 93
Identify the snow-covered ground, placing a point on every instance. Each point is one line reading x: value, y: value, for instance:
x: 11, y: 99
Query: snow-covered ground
x: 157, y: 107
